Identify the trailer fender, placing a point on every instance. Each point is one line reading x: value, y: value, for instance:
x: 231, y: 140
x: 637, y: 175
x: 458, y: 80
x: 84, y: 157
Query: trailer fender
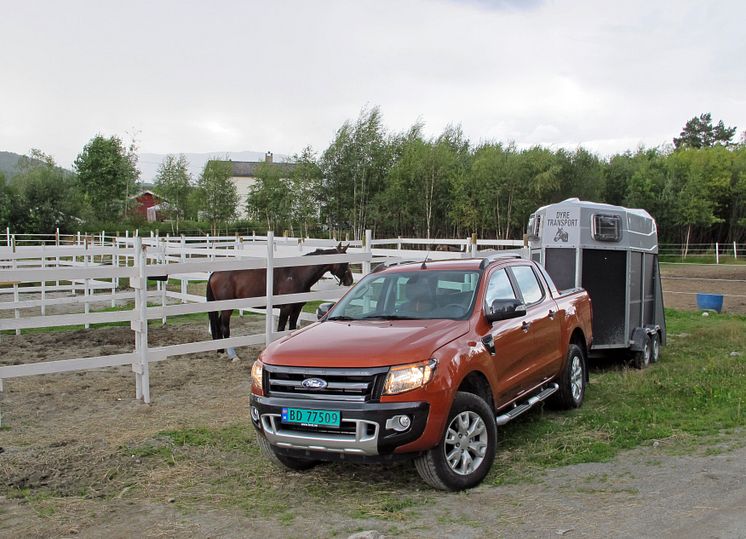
x: 639, y: 335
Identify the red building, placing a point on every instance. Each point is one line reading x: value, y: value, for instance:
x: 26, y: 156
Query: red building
x: 147, y: 205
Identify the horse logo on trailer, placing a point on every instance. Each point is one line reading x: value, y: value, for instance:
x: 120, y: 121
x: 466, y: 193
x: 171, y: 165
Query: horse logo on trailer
x: 561, y: 235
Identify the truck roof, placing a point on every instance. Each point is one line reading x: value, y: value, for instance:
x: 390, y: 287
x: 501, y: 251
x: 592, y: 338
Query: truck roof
x: 463, y: 264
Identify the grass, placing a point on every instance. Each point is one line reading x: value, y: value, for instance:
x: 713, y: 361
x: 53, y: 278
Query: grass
x: 695, y: 392
x: 685, y: 402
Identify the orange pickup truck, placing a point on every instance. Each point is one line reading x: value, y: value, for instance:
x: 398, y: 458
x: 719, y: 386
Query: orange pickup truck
x: 423, y: 361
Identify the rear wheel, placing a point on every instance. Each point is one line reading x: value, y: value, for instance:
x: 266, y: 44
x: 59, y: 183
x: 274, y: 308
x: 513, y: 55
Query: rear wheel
x: 572, y: 380
x: 292, y: 463
x: 642, y: 358
x: 465, y: 453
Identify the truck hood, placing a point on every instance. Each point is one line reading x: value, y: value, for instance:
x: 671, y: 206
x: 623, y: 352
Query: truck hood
x: 368, y: 343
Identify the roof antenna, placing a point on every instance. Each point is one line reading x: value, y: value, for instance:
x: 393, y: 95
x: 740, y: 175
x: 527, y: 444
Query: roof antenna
x: 424, y: 265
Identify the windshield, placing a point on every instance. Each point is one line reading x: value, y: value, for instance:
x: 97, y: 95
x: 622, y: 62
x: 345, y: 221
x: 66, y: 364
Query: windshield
x: 415, y: 295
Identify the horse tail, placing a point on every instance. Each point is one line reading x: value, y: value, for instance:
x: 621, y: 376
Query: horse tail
x: 214, y: 315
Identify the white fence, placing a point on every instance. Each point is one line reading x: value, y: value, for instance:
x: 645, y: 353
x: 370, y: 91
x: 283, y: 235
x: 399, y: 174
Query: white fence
x: 714, y: 251
x: 92, y: 269
x: 87, y: 268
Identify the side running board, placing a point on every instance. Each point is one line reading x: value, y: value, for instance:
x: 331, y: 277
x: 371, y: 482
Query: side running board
x: 524, y: 407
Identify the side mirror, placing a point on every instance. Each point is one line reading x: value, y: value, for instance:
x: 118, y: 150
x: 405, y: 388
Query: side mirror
x: 322, y: 309
x: 502, y: 309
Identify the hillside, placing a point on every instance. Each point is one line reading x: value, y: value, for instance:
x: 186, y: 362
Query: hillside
x: 8, y: 162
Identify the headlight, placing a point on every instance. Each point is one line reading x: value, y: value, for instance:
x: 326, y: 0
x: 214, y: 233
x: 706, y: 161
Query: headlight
x: 257, y: 370
x: 408, y: 377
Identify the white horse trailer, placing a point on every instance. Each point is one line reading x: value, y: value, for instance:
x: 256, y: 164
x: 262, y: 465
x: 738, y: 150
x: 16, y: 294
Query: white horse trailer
x: 612, y: 252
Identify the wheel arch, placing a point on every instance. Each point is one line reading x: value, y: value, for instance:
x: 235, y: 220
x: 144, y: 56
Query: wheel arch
x: 577, y: 337
x: 476, y: 382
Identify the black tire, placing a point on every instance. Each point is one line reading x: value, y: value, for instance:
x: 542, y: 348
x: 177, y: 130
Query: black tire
x: 641, y: 359
x: 572, y: 381
x: 655, y: 347
x: 283, y: 461
x: 434, y: 467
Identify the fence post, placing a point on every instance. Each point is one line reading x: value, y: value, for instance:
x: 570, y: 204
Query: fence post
x: 16, y: 297
x: 474, y: 245
x: 735, y: 254
x: 115, y: 264
x: 140, y: 324
x: 86, y: 286
x: 717, y: 253
x: 369, y: 250
x: 43, y: 282
x: 270, y: 319
x: 183, y: 259
x: 164, y: 284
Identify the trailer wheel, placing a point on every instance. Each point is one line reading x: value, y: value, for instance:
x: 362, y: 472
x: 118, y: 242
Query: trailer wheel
x: 466, y: 452
x: 642, y: 358
x: 655, y: 347
x: 572, y: 380
x: 283, y: 461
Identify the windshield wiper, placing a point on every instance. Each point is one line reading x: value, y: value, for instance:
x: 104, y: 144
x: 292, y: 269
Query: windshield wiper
x: 343, y: 318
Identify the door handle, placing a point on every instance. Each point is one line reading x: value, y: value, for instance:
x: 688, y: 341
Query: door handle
x: 551, y: 314
x: 525, y: 326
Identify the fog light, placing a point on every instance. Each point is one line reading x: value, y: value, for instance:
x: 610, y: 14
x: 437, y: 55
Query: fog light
x: 254, y: 414
x: 399, y: 423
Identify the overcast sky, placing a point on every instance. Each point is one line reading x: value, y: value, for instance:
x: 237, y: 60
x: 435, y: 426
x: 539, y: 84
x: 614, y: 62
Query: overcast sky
x: 193, y: 76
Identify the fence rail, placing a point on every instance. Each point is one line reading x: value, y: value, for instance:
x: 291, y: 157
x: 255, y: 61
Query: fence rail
x: 29, y: 269
x: 717, y: 252
x: 92, y: 267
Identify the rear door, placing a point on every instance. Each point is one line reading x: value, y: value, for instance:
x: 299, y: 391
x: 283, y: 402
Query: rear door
x: 541, y: 327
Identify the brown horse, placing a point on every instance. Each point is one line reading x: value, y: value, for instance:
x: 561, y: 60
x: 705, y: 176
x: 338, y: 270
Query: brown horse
x: 252, y: 283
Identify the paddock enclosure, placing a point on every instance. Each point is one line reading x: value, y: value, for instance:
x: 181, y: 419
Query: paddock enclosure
x: 67, y: 281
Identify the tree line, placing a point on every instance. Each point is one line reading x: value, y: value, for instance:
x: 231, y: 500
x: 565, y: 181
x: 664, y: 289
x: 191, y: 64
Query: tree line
x: 409, y: 184
x: 401, y: 184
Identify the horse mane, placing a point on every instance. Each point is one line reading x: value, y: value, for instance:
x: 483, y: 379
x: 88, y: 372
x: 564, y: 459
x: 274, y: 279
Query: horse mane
x: 332, y: 251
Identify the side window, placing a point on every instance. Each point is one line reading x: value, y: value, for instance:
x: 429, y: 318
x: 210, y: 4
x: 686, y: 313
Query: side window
x: 606, y: 228
x: 528, y: 284
x: 499, y: 287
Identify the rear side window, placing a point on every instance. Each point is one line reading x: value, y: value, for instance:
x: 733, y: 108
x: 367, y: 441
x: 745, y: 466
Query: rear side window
x: 528, y: 284
x: 607, y: 228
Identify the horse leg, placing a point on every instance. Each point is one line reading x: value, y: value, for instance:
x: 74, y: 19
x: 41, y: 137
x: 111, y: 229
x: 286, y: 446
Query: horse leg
x: 215, y: 327
x: 296, y: 308
x: 284, y: 313
x: 225, y: 328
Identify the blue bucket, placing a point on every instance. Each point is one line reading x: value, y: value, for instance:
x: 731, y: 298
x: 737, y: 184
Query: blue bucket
x: 710, y: 302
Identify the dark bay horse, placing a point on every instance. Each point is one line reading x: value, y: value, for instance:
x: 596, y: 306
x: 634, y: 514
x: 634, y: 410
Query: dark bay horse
x: 253, y: 282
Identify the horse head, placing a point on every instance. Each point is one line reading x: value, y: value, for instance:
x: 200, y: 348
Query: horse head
x: 342, y: 270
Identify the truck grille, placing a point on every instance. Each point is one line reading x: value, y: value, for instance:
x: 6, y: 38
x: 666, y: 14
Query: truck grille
x: 355, y: 385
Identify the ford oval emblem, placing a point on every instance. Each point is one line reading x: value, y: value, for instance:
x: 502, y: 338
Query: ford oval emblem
x: 314, y: 383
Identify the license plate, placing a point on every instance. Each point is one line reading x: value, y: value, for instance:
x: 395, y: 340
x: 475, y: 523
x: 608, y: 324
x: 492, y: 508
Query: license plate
x: 311, y: 418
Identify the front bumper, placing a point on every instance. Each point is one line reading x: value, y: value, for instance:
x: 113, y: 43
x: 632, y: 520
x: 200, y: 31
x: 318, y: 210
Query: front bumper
x: 363, y: 431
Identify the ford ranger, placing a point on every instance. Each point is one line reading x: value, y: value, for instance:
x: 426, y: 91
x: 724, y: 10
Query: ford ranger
x: 423, y: 361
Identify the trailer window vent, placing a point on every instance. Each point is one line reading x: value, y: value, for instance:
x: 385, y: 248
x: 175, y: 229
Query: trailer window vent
x: 534, y: 227
x: 607, y: 228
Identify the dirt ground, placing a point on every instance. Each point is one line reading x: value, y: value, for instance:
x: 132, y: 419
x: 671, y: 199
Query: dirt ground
x: 69, y: 435
x: 682, y: 282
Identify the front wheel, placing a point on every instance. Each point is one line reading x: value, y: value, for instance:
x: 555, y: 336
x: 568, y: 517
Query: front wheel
x: 572, y: 380
x: 465, y: 453
x: 283, y: 461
